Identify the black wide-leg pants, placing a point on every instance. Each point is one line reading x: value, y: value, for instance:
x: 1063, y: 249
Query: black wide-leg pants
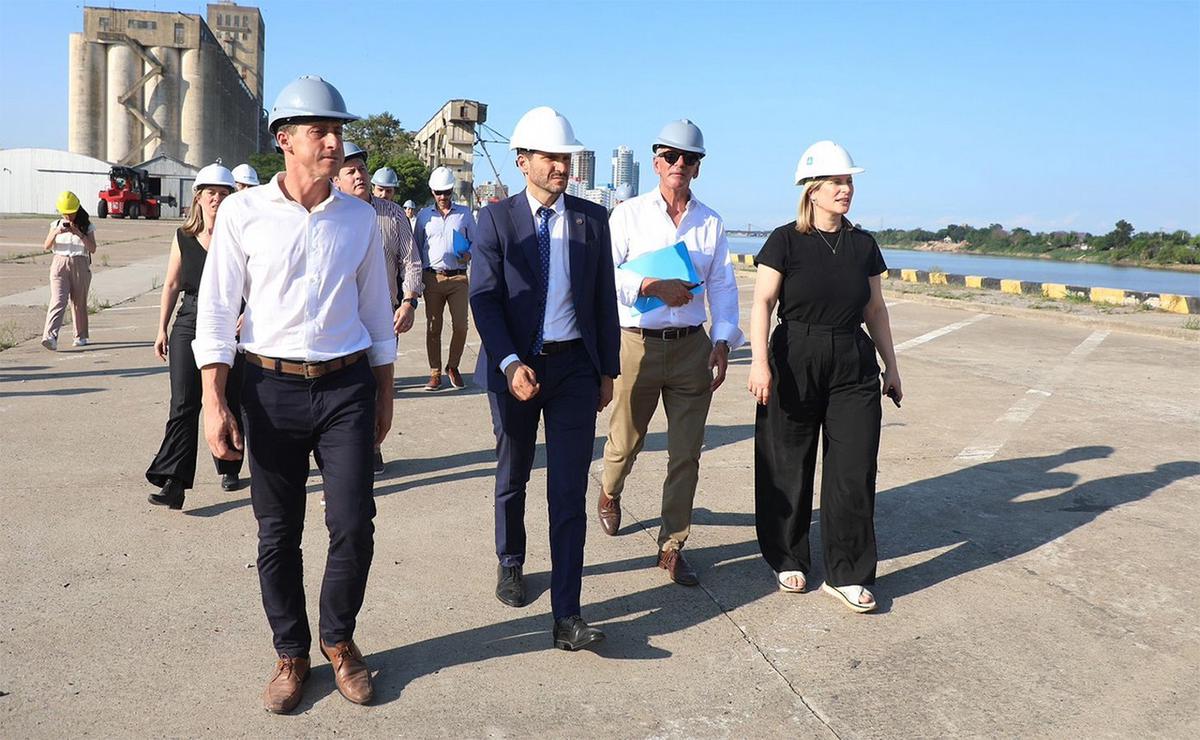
x: 824, y: 386
x: 176, y: 456
x: 287, y: 418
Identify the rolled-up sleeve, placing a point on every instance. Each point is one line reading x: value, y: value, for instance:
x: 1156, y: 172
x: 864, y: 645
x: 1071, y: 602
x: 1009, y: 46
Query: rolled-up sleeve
x: 629, y: 284
x: 723, y: 294
x: 374, y: 302
x: 222, y: 286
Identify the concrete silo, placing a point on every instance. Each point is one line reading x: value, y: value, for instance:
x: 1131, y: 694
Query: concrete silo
x: 87, y: 124
x: 124, y: 130
x: 162, y: 102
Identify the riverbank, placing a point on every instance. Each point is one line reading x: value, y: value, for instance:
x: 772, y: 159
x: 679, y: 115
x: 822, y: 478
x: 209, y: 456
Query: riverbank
x: 1058, y: 255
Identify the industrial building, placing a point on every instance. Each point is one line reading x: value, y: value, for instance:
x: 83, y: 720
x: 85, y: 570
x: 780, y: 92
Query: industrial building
x: 145, y: 84
x: 448, y: 140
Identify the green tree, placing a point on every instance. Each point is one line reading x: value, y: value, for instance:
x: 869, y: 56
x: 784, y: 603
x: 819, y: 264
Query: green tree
x: 380, y: 134
x: 266, y: 164
x: 1121, y: 236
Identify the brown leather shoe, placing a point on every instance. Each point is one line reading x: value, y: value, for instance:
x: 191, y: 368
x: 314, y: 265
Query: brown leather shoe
x: 609, y: 510
x: 677, y: 568
x: 286, y: 686
x: 435, y: 381
x: 455, y: 378
x: 350, y: 671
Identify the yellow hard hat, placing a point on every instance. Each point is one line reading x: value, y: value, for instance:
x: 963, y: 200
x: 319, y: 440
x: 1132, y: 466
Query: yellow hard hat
x: 68, y: 202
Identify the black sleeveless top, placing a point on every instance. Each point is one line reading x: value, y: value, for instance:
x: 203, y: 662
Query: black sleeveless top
x: 191, y: 265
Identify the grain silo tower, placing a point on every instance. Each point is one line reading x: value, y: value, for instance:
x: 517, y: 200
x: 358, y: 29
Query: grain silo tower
x: 145, y: 84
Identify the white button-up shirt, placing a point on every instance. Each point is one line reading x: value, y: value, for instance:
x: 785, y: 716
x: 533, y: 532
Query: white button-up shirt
x: 314, y: 282
x: 434, y: 234
x: 559, y: 324
x: 642, y: 225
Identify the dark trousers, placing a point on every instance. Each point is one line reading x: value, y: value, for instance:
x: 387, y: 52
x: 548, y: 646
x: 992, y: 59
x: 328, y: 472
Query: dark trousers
x: 824, y: 385
x: 287, y: 418
x: 176, y: 456
x: 570, y: 390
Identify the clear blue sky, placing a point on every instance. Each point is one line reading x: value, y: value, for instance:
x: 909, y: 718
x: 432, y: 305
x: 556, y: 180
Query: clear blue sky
x: 1043, y: 115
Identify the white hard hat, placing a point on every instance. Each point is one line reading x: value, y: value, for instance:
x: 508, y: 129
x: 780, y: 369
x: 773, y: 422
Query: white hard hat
x: 214, y: 174
x: 544, y: 129
x: 385, y: 177
x: 825, y: 159
x: 624, y: 191
x: 244, y: 174
x: 682, y: 135
x: 409, y: 204
x: 441, y: 179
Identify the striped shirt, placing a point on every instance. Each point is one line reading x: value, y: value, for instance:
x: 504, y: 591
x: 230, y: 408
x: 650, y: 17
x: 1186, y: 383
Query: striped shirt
x: 402, y: 259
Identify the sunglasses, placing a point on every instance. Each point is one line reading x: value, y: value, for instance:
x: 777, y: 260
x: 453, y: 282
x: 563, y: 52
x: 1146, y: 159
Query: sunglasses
x: 442, y: 192
x: 691, y: 159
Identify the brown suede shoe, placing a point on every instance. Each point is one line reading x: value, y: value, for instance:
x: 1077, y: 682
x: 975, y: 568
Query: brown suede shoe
x: 350, y: 672
x: 609, y: 510
x: 286, y: 686
x: 455, y: 378
x: 677, y: 568
x: 435, y: 381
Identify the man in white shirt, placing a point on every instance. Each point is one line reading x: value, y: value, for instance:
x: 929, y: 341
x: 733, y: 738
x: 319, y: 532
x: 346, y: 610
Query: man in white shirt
x: 665, y: 351
x: 402, y: 263
x: 317, y: 335
x: 443, y: 231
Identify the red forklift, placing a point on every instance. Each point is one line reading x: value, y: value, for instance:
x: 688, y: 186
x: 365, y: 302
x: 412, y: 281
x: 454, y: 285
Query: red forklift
x: 132, y: 193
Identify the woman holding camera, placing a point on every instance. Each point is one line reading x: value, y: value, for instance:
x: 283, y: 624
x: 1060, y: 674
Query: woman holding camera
x: 174, y: 467
x: 818, y: 379
x: 72, y: 238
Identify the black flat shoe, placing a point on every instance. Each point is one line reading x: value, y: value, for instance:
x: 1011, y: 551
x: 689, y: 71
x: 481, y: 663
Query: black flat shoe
x: 573, y: 633
x: 170, y: 496
x: 510, y: 585
x: 230, y: 482
x: 378, y: 465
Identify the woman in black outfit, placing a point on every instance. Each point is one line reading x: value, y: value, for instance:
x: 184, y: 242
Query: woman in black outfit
x: 819, y: 379
x: 174, y: 467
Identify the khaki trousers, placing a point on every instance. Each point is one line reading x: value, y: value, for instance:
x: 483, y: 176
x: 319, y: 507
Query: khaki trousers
x: 70, y: 278
x: 677, y: 370
x: 439, y: 291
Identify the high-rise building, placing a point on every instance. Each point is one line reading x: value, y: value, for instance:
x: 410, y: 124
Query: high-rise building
x: 583, y: 168
x: 624, y: 169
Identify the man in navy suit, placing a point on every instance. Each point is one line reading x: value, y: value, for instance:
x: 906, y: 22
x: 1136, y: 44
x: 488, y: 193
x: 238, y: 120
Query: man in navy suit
x: 544, y: 301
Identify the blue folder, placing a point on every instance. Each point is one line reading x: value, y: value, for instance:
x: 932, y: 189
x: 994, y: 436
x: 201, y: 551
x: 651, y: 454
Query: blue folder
x: 668, y: 263
x: 461, y: 245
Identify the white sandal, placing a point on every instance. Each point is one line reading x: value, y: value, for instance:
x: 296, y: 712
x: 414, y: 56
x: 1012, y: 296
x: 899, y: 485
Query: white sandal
x: 851, y: 596
x: 782, y: 578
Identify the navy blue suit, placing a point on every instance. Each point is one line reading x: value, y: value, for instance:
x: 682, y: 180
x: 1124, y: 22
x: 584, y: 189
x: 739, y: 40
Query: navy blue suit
x: 505, y: 293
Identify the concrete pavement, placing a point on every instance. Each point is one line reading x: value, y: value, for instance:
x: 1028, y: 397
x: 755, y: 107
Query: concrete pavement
x: 1044, y: 588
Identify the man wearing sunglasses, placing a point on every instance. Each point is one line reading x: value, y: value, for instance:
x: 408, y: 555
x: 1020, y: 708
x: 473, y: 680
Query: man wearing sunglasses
x: 443, y: 231
x: 665, y: 351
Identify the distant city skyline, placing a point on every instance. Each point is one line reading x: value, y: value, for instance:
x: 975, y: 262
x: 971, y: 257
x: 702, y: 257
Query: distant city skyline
x: 625, y: 169
x: 1037, y: 115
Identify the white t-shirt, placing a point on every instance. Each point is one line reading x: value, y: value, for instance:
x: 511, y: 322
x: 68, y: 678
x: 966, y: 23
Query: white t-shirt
x: 68, y: 244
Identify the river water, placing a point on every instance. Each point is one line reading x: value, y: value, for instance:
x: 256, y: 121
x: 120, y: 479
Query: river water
x: 1034, y: 270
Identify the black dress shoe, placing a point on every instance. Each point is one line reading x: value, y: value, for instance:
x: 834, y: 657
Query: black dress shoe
x: 510, y: 585
x: 230, y: 482
x: 171, y: 495
x: 573, y: 633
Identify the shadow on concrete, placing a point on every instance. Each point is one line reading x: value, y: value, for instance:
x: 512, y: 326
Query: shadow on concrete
x: 58, y: 392
x: 136, y: 372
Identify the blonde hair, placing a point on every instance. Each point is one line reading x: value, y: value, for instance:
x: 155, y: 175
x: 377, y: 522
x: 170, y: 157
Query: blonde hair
x: 804, y: 212
x: 195, y: 218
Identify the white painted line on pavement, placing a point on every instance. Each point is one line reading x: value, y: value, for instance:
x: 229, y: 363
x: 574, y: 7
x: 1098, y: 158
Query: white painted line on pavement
x: 986, y: 445
x: 930, y: 336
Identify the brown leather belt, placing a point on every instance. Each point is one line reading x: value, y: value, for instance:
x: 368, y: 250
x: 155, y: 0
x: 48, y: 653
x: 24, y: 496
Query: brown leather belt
x: 667, y: 334
x: 305, y: 369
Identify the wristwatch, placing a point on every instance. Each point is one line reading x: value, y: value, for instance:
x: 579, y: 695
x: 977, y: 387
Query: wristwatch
x: 722, y: 341
x: 410, y: 301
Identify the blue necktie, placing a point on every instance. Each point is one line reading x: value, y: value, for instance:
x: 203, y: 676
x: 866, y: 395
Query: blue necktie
x: 543, y: 237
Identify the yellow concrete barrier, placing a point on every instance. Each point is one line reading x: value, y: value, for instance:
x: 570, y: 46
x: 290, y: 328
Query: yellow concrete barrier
x: 908, y: 276
x: 1108, y: 295
x: 1010, y: 286
x: 974, y: 281
x: 1054, y: 290
x: 938, y: 278
x: 1173, y: 303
